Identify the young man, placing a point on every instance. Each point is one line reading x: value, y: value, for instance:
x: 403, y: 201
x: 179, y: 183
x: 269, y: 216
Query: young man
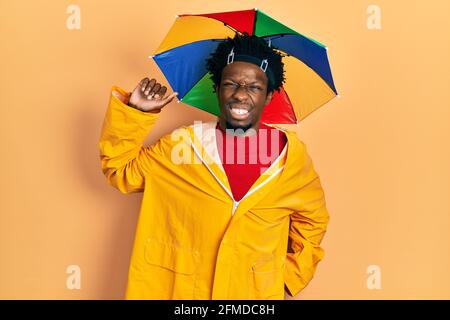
x: 219, y: 218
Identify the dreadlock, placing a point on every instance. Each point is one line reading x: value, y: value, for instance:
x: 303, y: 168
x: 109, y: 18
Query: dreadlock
x: 250, y: 45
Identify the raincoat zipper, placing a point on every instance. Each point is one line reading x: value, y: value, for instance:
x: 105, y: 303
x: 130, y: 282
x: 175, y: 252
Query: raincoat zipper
x: 236, y: 203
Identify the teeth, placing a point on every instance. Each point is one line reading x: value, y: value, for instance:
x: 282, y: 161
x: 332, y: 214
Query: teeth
x: 239, y: 111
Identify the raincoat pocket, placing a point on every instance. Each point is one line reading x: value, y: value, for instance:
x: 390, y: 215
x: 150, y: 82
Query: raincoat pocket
x: 266, y: 280
x: 168, y: 256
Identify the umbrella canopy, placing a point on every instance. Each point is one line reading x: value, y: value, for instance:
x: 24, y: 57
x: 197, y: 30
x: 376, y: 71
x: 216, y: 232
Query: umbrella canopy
x: 183, y: 53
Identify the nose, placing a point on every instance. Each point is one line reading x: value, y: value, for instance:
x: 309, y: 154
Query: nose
x: 240, y: 93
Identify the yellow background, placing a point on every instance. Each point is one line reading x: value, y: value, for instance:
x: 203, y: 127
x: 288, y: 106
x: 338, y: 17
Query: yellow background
x: 381, y: 150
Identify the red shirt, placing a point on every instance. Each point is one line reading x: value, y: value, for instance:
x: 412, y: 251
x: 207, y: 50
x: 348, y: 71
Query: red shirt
x: 244, y: 158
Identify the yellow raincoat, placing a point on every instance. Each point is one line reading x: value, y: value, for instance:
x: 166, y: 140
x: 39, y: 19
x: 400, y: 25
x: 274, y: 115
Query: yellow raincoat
x: 193, y: 241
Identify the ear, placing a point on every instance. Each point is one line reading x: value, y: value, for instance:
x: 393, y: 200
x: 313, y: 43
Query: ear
x: 268, y: 98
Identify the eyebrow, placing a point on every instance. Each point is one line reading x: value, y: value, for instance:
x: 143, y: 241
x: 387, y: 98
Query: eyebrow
x: 259, y: 80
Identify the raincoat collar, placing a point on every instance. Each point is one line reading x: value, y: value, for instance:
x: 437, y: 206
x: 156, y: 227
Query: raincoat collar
x: 203, y: 141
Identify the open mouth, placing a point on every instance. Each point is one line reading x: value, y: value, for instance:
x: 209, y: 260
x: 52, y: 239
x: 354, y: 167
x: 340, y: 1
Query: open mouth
x: 239, y: 113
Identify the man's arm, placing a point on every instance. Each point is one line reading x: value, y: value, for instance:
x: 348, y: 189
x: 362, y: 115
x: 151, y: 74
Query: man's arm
x: 307, y: 229
x: 129, y: 118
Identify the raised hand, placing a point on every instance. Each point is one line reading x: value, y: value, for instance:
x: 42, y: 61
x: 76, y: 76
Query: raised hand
x: 149, y: 95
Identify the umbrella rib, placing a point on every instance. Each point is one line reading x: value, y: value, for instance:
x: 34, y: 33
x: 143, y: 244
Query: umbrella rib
x: 196, y: 82
x: 230, y: 27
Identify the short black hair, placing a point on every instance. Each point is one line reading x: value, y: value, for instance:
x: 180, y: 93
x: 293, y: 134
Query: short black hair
x: 249, y: 45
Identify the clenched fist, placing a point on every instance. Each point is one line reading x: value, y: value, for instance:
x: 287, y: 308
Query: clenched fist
x: 148, y: 96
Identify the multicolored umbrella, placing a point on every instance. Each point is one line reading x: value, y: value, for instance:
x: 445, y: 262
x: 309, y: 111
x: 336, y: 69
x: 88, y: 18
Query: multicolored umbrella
x: 193, y: 37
